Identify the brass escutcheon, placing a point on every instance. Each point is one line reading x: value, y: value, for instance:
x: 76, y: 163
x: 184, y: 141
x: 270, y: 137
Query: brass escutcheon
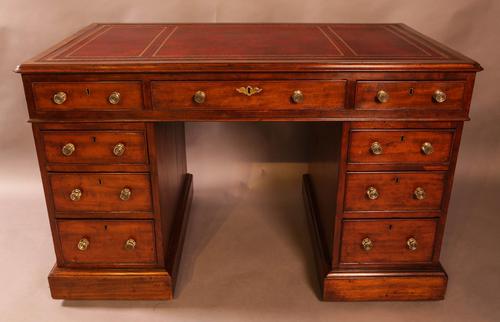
x: 249, y: 90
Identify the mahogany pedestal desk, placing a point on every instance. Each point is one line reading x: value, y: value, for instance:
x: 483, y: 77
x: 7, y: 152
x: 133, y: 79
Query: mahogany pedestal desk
x: 385, y: 107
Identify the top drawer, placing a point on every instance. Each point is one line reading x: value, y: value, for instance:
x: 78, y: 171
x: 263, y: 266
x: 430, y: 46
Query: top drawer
x: 249, y: 94
x: 89, y: 96
x: 386, y: 95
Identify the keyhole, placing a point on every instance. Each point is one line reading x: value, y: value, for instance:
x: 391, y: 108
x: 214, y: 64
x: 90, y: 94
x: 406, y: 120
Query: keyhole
x: 402, y: 138
x: 87, y: 91
x: 248, y: 90
x: 390, y: 227
x: 94, y: 139
x: 411, y: 91
x: 396, y: 179
x: 100, y: 181
x: 105, y: 227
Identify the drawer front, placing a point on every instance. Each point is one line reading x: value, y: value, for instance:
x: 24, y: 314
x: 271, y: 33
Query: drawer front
x: 84, y: 192
x: 406, y: 94
x: 95, y: 147
x: 393, y: 191
x: 388, y: 241
x: 91, y: 96
x: 107, y: 241
x: 237, y: 95
x: 395, y: 146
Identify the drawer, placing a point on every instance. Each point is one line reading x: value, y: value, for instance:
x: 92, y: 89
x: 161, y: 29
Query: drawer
x: 400, y: 146
x: 383, y: 95
x: 249, y: 94
x: 388, y: 241
x: 393, y: 191
x: 107, y: 241
x: 91, y: 96
x: 95, y: 147
x: 99, y: 192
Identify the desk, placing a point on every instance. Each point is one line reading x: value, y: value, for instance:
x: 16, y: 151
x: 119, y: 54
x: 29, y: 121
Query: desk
x: 386, y: 106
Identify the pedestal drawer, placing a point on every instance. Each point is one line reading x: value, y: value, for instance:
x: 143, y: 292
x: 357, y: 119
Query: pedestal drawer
x: 95, y: 147
x: 89, y: 96
x: 394, y: 191
x: 107, y: 242
x: 400, y: 146
x: 295, y: 94
x: 101, y: 192
x: 388, y: 241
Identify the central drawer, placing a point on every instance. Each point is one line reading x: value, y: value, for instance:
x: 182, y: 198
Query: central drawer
x: 107, y: 242
x: 85, y: 192
x: 295, y: 94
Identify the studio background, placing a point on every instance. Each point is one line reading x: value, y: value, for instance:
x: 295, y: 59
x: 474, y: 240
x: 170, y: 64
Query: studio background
x: 247, y: 253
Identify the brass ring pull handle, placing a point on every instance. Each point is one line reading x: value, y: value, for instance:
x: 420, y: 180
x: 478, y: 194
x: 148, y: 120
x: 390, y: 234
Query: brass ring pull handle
x: 249, y: 90
x: 427, y: 148
x: 119, y: 149
x: 382, y: 96
x: 68, y: 149
x: 376, y: 148
x: 75, y: 195
x: 59, y: 98
x: 372, y: 193
x: 125, y: 194
x: 83, y: 244
x: 297, y: 97
x: 130, y: 244
x: 411, y: 244
x: 114, y: 98
x: 367, y: 244
x: 199, y: 97
x: 439, y: 96
x: 419, y: 193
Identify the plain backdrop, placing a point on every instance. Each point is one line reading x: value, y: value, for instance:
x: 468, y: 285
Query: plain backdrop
x: 247, y: 254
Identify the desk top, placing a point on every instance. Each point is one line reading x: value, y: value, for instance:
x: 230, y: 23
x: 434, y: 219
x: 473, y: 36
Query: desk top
x: 247, y: 47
